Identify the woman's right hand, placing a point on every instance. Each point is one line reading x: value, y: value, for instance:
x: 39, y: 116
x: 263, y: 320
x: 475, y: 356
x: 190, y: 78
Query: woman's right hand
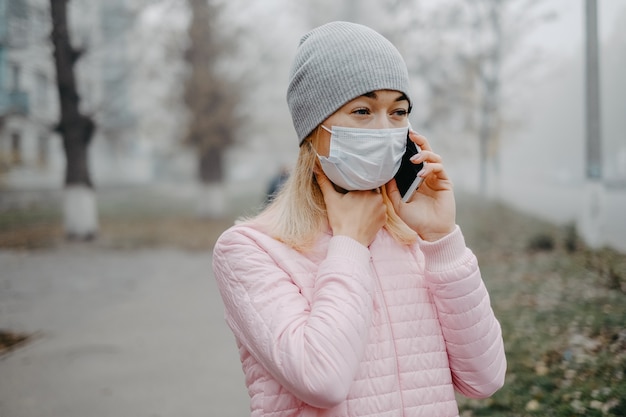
x: 357, y: 214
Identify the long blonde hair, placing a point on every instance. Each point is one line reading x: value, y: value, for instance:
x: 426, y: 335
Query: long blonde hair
x: 298, y: 213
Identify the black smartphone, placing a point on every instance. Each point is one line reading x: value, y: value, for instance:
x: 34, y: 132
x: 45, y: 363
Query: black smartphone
x: 406, y: 177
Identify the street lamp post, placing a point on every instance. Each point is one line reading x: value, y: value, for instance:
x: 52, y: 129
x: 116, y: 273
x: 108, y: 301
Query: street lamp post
x: 590, y: 225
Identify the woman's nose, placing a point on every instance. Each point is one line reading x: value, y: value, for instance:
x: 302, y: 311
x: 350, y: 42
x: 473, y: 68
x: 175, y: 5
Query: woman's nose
x: 381, y: 122
x: 384, y: 121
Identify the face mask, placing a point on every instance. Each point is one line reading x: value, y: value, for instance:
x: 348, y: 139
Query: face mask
x: 363, y: 159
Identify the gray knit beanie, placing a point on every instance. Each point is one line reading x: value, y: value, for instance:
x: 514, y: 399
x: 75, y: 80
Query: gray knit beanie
x: 336, y: 63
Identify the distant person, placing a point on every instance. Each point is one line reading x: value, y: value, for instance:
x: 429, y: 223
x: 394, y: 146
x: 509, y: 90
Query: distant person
x: 344, y: 300
x: 276, y: 184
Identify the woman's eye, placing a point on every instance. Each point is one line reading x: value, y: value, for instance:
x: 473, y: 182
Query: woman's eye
x: 362, y: 111
x: 400, y: 112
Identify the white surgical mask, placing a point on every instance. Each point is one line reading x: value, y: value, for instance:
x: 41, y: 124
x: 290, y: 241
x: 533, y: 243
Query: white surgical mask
x: 363, y: 159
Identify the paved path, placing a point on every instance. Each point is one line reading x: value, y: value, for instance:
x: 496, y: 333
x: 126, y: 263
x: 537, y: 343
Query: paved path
x: 124, y: 334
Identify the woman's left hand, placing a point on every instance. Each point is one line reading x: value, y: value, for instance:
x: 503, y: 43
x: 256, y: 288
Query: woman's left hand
x: 431, y: 212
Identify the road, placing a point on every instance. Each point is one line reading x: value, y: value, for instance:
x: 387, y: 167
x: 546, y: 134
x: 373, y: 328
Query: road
x: 117, y: 333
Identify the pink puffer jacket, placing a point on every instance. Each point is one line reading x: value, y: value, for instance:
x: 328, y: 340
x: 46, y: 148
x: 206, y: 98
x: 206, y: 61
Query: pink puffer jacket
x: 347, y: 331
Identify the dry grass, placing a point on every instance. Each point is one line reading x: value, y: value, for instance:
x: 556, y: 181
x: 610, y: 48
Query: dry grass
x: 562, y: 309
x: 182, y: 232
x: 128, y: 218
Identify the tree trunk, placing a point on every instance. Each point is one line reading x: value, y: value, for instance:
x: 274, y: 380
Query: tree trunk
x: 76, y: 130
x: 212, y: 196
x: 483, y: 146
x: 590, y: 223
x: 211, y: 99
x: 490, y: 77
x: 76, y: 138
x: 211, y: 169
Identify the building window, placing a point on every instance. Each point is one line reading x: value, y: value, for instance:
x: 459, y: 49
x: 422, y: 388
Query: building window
x: 16, y: 73
x: 16, y: 149
x: 15, y: 18
x: 40, y: 23
x: 42, y: 90
x: 42, y: 150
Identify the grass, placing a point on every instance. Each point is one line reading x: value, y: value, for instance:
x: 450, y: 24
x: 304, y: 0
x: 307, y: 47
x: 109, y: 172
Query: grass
x: 32, y: 228
x: 131, y: 218
x: 563, y: 315
x: 562, y: 307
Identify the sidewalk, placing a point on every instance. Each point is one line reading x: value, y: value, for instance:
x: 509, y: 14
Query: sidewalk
x: 118, y: 333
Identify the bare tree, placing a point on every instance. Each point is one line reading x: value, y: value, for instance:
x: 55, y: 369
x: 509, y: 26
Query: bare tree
x: 459, y: 53
x: 211, y: 99
x: 76, y: 129
x: 487, y: 66
x: 497, y: 28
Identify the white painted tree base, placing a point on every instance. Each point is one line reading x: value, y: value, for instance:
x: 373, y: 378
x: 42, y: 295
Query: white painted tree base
x: 590, y: 226
x: 211, y: 201
x: 80, y: 214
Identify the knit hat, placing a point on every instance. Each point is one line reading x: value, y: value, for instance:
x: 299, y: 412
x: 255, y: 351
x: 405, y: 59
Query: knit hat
x: 336, y: 63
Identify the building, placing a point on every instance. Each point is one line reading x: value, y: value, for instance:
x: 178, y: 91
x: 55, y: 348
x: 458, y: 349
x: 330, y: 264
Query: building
x: 28, y: 107
x: 31, y: 153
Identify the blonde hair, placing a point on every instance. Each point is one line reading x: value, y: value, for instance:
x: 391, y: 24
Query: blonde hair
x: 298, y: 213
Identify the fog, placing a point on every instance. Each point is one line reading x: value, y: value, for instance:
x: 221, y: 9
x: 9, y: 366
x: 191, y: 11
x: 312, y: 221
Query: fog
x: 542, y: 154
x: 536, y: 136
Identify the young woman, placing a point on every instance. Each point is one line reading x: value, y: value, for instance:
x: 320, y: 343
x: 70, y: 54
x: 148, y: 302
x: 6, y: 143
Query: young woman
x: 344, y: 300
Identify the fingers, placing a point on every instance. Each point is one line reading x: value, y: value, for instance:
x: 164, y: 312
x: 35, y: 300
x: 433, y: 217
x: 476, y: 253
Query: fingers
x: 392, y: 189
x: 394, y: 194
x: 325, y: 185
x: 426, y: 156
x: 433, y: 163
x: 434, y: 170
x: 420, y: 140
x: 357, y: 214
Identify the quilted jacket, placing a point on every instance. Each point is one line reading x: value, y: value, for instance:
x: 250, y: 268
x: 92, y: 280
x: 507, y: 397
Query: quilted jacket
x: 346, y: 331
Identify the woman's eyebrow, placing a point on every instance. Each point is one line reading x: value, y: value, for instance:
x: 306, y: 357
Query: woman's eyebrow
x: 402, y: 97
x: 372, y: 94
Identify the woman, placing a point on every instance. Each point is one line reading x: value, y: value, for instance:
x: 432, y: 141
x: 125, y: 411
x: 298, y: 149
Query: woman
x: 344, y: 300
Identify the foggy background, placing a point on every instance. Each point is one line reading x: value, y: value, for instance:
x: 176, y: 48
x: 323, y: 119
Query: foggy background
x: 515, y: 86
x: 110, y: 204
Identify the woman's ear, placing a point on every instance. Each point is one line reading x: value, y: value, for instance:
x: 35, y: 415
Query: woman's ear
x: 320, y: 139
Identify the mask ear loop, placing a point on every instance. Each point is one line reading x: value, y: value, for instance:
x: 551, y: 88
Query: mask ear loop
x: 317, y: 139
x: 314, y: 139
